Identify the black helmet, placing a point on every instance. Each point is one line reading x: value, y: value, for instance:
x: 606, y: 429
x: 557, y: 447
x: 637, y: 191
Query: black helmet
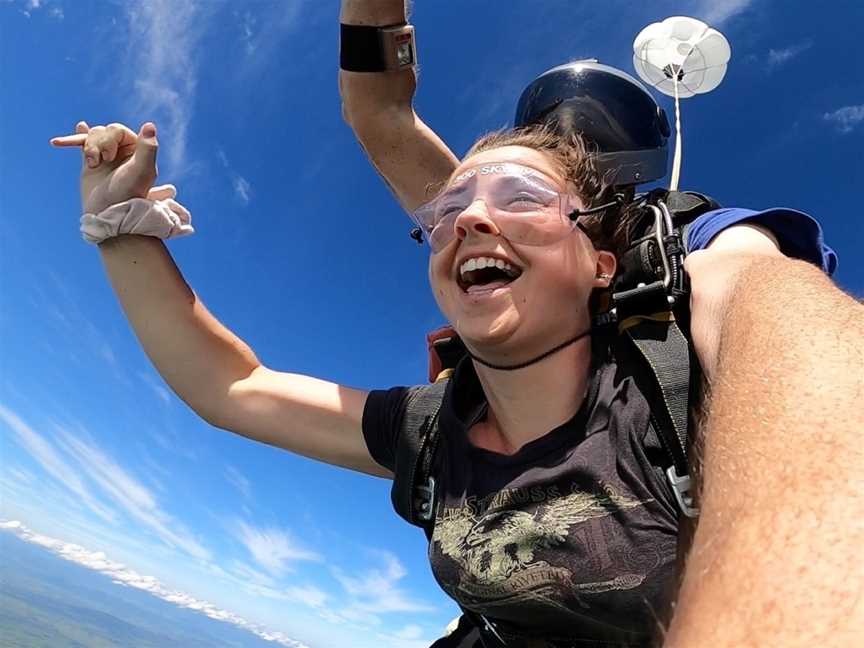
x: 609, y: 107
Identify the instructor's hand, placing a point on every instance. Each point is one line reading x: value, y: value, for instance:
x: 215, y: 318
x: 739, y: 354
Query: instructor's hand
x: 118, y: 164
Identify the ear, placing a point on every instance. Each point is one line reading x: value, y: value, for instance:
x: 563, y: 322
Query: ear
x: 605, y: 266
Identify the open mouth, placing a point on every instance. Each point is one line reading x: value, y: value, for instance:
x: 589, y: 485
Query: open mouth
x: 486, y: 273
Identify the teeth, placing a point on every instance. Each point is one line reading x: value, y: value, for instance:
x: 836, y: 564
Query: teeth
x: 478, y: 263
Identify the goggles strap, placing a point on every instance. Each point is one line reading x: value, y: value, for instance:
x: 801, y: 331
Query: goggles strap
x: 617, y: 200
x: 528, y: 363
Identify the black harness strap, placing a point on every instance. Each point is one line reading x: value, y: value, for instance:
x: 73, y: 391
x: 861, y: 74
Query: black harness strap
x: 667, y: 352
x: 413, y: 491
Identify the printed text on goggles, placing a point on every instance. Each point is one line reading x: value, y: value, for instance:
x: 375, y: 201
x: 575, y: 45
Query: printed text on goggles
x: 524, y: 206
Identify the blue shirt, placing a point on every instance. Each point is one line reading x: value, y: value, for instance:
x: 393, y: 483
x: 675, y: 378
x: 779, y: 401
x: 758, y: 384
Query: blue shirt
x: 798, y: 234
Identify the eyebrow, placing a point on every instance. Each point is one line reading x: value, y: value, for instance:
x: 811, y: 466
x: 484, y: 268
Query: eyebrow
x: 456, y: 190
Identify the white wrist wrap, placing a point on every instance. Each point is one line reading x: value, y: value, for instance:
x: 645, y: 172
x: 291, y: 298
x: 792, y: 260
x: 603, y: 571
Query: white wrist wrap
x: 163, y: 219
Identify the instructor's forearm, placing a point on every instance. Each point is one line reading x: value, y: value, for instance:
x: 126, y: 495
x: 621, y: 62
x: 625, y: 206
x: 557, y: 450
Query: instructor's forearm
x: 197, y: 356
x: 373, y: 12
x: 776, y: 560
x: 378, y: 106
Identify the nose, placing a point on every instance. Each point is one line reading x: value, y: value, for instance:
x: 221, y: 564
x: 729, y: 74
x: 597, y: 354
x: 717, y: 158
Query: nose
x: 475, y: 219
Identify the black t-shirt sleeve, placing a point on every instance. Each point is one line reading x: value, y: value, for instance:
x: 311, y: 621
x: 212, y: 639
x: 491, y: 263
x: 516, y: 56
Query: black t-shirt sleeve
x: 382, y: 418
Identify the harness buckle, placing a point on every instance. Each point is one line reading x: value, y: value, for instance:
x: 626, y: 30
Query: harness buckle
x: 681, y: 485
x: 426, y: 500
x: 490, y: 627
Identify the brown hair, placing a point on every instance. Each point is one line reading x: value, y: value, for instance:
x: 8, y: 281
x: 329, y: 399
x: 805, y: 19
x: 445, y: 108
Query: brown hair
x: 572, y: 154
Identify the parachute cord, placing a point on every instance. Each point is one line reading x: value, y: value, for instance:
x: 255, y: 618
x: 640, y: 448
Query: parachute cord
x: 676, y: 161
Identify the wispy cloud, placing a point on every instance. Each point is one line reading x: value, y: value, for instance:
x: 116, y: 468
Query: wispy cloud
x: 248, y: 26
x: 163, y: 35
x: 122, y: 575
x: 264, y: 33
x: 53, y: 463
x: 92, y: 476
x: 847, y: 118
x: 717, y: 12
x: 376, y: 591
x: 778, y: 57
x: 130, y: 494
x: 29, y: 7
x: 242, y: 187
x: 237, y: 478
x: 409, y: 636
x: 157, y: 386
x: 273, y: 549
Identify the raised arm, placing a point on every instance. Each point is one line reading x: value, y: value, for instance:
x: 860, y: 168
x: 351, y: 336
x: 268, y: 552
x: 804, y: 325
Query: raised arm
x: 205, y: 364
x: 378, y: 107
x: 776, y: 559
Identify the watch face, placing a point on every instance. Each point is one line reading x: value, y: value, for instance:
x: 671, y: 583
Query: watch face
x: 405, y: 54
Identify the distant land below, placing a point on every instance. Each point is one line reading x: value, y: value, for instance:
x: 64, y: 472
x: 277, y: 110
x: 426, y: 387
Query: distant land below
x: 49, y: 602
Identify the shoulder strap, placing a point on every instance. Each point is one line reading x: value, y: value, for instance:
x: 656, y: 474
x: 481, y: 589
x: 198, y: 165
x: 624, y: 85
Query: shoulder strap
x: 668, y: 354
x: 413, y: 490
x: 646, y: 314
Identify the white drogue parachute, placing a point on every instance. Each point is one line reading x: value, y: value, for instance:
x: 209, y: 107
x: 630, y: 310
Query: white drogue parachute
x: 681, y: 57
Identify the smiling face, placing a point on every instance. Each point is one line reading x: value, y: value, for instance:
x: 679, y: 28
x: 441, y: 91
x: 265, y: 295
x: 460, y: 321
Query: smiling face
x: 509, y: 300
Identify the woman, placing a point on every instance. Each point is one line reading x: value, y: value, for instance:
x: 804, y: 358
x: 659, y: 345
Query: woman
x: 554, y: 520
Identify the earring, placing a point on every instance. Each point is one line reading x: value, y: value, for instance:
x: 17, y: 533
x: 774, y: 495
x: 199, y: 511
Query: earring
x: 603, y: 275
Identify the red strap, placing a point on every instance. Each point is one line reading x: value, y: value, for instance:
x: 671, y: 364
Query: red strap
x: 435, y: 364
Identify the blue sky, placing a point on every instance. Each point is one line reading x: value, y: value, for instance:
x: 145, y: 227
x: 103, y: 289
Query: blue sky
x: 302, y: 252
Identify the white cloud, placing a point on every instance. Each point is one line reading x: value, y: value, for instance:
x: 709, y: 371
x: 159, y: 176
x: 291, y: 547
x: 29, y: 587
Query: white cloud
x: 135, y: 498
x: 20, y: 475
x: 847, y: 118
x: 778, y: 57
x: 410, y: 636
x: 122, y: 575
x: 53, y: 463
x: 158, y: 387
x: 90, y: 465
x: 375, y: 591
x: 31, y: 6
x: 273, y: 549
x: 235, y: 477
x: 717, y: 12
x: 263, y: 36
x: 307, y: 595
x: 162, y: 40
x: 242, y: 187
x: 409, y: 632
x: 248, y: 32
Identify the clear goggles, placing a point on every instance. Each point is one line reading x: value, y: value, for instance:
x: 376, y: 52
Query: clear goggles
x: 523, y: 204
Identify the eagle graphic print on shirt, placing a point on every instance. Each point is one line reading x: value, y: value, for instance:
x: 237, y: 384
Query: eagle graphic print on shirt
x: 499, y: 550
x: 574, y: 536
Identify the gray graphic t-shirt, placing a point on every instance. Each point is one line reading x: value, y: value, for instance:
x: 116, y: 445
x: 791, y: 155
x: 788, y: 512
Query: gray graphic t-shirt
x: 573, y: 537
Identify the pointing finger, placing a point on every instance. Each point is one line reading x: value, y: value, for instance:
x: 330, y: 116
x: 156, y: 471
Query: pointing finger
x: 69, y: 140
x: 81, y: 130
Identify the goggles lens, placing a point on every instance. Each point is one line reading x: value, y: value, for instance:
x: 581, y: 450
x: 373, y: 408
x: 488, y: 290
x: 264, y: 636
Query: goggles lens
x: 524, y: 205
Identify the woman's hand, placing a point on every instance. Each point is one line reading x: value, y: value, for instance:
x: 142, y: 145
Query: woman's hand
x: 118, y: 164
